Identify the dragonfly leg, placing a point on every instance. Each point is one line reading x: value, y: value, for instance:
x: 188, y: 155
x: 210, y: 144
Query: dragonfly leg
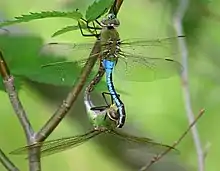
x: 98, y: 23
x: 83, y: 34
x: 90, y: 29
x: 93, y: 27
x: 100, y: 108
x: 104, y: 97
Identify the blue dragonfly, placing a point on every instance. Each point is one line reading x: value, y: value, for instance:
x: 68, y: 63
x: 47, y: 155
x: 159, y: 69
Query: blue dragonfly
x: 129, y: 56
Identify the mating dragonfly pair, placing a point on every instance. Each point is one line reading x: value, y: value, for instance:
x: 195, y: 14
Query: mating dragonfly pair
x: 127, y: 59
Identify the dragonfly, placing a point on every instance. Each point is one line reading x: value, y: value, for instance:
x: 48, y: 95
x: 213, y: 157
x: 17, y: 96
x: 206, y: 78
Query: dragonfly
x: 104, y: 121
x: 129, y: 56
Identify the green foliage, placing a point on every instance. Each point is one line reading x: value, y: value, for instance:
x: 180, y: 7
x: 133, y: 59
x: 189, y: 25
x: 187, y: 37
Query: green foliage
x: 97, y: 9
x: 26, y: 63
x: 40, y: 15
x: 94, y: 11
x: 65, y: 29
x: 70, y: 28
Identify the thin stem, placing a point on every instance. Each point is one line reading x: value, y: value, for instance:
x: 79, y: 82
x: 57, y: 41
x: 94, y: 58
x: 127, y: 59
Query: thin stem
x: 180, y: 12
x: 8, y: 80
x: 7, y: 163
x: 159, y: 156
x: 115, y: 8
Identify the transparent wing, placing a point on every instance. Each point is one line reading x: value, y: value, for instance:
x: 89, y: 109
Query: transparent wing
x: 58, y: 145
x: 64, y: 72
x: 142, y: 140
x: 141, y: 68
x: 73, y: 50
x: 133, y: 46
x: 146, y: 60
x: 139, y: 58
x: 152, y: 48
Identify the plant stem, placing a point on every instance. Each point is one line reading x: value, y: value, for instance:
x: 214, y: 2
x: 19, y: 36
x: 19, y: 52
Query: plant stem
x: 178, y: 17
x: 8, y: 80
x: 158, y: 157
x: 7, y: 162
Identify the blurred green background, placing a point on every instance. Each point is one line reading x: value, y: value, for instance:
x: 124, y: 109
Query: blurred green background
x: 155, y: 109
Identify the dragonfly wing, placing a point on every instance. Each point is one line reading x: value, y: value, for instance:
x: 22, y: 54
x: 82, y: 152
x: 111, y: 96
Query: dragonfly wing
x: 73, y: 50
x: 58, y: 71
x: 58, y: 145
x: 147, y: 142
x: 154, y: 48
x: 142, y: 69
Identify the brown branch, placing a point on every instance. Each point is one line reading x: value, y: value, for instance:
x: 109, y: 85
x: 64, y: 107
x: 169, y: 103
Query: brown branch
x: 159, y: 156
x: 8, y: 81
x: 7, y: 163
x: 116, y: 6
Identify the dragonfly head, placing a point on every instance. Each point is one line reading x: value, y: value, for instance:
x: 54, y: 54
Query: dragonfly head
x: 113, y: 113
x: 110, y: 21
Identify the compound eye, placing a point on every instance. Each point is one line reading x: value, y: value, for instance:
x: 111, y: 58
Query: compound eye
x: 111, y: 16
x: 113, y: 115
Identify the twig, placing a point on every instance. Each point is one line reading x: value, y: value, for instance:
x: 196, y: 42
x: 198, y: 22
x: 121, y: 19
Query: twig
x: 159, y: 156
x: 8, y: 80
x: 52, y: 123
x: 7, y: 162
x: 116, y: 6
x: 180, y: 12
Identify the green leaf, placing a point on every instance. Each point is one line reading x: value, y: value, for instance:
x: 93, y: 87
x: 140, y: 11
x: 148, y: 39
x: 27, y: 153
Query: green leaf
x: 71, y: 28
x: 45, y: 14
x: 22, y: 55
x: 65, y: 30
x: 97, y: 9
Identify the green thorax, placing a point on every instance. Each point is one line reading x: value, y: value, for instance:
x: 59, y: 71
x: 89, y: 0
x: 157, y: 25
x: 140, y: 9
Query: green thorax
x: 109, y: 41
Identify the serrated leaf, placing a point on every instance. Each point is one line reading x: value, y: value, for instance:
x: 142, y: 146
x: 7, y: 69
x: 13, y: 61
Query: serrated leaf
x: 97, y: 9
x: 70, y: 28
x: 65, y: 30
x: 41, y: 15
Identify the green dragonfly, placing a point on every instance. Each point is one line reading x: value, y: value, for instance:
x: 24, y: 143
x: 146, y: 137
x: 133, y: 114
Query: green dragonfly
x: 130, y: 56
x: 104, y: 120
